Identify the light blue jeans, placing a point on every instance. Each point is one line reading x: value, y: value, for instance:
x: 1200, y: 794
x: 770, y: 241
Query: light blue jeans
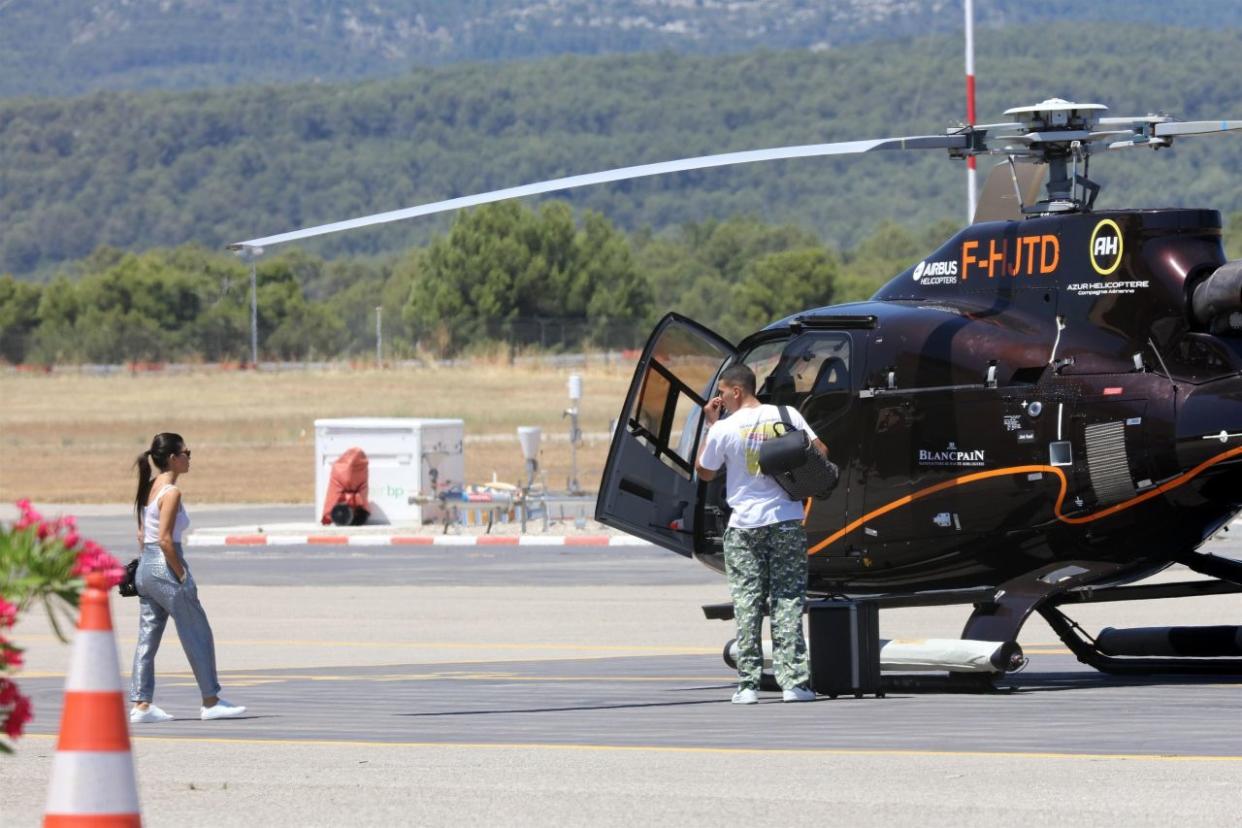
x: 161, y: 595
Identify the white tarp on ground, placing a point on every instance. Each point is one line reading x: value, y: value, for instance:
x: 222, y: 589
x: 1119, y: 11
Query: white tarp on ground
x: 955, y: 655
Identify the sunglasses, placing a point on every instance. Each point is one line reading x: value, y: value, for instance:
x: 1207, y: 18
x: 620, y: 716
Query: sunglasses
x: 185, y: 454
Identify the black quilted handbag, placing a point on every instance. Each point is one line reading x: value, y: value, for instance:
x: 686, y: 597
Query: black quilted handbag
x: 128, y: 587
x: 792, y: 460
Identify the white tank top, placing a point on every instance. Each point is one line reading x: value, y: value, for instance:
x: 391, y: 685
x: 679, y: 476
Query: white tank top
x: 151, y: 519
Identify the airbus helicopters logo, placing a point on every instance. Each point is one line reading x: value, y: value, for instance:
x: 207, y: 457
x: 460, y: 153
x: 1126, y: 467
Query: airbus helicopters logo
x: 1106, y: 247
x: 952, y: 456
x: 936, y: 273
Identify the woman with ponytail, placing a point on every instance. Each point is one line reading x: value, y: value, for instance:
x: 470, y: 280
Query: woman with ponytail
x: 166, y: 586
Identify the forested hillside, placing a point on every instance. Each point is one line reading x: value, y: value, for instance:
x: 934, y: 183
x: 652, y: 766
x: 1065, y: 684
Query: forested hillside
x: 75, y: 46
x: 136, y: 171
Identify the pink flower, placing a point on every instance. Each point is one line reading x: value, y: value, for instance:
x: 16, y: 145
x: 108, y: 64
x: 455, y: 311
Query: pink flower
x: 18, y: 716
x: 45, y: 529
x: 94, y: 558
x: 8, y: 614
x: 71, y: 539
x: 8, y: 692
x: 10, y: 656
x: 29, y: 515
x: 69, y: 522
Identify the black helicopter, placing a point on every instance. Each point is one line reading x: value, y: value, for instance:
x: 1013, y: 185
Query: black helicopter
x: 1044, y: 409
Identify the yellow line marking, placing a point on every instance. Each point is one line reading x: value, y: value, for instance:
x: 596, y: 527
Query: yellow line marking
x: 1046, y: 651
x: 1053, y: 649
x: 985, y: 754
x: 439, y: 645
x: 245, y: 680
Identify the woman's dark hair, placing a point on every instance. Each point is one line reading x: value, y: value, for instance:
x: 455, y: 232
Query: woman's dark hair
x: 163, y: 447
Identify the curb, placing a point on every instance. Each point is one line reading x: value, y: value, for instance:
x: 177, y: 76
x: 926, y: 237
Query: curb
x: 414, y: 540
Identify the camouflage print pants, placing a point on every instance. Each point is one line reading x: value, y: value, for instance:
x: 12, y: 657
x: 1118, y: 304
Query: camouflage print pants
x: 768, y: 563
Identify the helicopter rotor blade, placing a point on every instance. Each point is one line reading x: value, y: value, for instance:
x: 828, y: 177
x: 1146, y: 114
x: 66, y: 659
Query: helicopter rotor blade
x: 1162, y: 126
x: 1171, y: 128
x: 1158, y: 131
x: 952, y: 141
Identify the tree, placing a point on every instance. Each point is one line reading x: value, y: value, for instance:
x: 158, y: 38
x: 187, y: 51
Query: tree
x: 19, y: 317
x: 506, y: 264
x: 885, y: 253
x: 779, y: 284
x: 700, y: 270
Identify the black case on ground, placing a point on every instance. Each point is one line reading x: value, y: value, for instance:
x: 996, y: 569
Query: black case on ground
x: 845, y: 647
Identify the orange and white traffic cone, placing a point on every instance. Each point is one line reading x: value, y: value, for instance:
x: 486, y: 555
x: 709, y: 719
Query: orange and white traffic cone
x: 93, y: 773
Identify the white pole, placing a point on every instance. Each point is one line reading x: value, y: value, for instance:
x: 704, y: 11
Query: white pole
x: 254, y: 313
x: 379, y: 336
x: 970, y: 106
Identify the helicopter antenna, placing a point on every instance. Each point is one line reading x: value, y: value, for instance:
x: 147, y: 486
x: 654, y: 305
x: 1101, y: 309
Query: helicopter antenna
x: 1013, y: 175
x: 971, y: 192
x: 1156, y: 351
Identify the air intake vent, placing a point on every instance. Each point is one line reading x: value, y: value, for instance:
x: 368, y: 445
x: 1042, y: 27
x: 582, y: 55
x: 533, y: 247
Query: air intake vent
x: 1107, y: 462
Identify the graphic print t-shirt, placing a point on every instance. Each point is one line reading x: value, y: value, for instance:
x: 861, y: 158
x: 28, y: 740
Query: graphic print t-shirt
x: 756, y: 499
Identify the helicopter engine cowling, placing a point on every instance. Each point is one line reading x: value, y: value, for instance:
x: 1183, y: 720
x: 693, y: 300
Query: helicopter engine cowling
x: 1216, y: 302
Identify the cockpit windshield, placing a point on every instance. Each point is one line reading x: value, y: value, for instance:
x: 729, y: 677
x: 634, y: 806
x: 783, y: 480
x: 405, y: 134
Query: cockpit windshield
x: 789, y: 371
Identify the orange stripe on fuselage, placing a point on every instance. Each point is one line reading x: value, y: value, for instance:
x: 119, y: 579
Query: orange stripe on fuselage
x: 966, y: 479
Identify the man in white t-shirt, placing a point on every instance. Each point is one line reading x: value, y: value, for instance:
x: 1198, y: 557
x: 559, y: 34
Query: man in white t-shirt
x: 765, y: 543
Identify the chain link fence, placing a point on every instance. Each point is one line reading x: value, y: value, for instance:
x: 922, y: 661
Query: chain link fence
x: 520, y: 338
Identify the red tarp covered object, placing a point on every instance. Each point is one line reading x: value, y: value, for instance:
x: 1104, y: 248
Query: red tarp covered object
x: 347, y: 484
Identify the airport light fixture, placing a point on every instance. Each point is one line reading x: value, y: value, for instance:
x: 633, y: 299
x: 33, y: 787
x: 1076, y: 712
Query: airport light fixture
x: 251, y: 254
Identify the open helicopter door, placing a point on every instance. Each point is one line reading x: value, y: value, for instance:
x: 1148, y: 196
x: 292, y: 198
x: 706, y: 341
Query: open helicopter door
x: 649, y: 488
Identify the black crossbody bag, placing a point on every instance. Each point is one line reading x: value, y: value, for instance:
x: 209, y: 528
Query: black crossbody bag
x: 792, y: 460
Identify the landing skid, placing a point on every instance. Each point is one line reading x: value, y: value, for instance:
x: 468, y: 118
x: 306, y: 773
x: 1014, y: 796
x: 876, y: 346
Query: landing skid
x: 1000, y: 613
x: 1084, y: 647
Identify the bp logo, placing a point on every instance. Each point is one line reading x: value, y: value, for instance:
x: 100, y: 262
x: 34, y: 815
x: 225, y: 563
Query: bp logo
x: 1106, y: 247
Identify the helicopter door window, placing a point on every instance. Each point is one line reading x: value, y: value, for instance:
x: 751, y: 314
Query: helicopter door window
x: 678, y: 381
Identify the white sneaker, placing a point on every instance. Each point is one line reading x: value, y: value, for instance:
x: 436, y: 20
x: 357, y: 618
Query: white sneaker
x: 150, y: 715
x: 746, y: 696
x: 797, y: 694
x: 222, y: 710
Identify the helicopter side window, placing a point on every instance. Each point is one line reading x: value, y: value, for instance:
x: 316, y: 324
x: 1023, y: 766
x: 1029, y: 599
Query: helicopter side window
x: 764, y: 360
x: 802, y: 370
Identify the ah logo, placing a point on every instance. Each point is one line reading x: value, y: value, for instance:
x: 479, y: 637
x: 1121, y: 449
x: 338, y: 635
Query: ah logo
x: 1106, y: 247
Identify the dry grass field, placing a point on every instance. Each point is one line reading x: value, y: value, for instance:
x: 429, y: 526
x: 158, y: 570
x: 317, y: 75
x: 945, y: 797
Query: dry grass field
x: 73, y: 438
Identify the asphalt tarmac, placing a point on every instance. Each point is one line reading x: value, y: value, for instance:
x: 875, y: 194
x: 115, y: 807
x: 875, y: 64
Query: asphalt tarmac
x: 531, y: 685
